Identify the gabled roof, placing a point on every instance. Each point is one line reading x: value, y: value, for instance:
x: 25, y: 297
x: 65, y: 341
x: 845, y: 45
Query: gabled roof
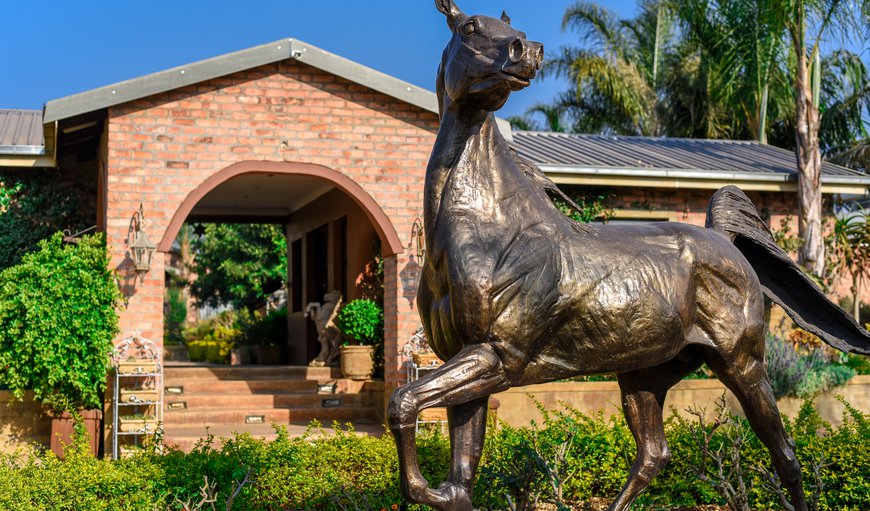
x: 673, y: 162
x: 283, y: 49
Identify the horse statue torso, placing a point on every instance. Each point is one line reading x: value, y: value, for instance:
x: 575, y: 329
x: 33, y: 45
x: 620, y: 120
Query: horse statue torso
x: 503, y: 261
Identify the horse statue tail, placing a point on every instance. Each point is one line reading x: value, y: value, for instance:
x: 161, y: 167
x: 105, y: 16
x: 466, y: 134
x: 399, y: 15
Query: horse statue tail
x: 731, y: 212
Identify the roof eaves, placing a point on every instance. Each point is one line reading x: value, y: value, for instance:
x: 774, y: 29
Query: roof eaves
x: 155, y: 83
x: 363, y: 75
x: 28, y: 150
x: 162, y: 81
x: 697, y: 174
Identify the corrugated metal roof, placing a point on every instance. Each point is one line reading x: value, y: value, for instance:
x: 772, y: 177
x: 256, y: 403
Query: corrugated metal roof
x: 605, y: 154
x: 20, y: 129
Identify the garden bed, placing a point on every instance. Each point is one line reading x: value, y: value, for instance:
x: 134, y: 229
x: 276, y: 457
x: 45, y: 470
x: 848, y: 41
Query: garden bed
x: 349, y: 472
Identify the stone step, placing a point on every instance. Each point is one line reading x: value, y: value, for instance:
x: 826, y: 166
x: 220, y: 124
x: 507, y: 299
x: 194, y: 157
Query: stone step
x: 240, y: 386
x: 177, y: 372
x: 236, y: 417
x: 186, y: 437
x: 242, y: 401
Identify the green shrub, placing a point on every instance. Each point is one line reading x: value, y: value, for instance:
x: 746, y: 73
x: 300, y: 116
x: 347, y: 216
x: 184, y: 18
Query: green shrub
x: 803, y: 375
x: 217, y: 352
x: 362, y: 321
x: 176, y: 315
x: 57, y: 320
x: 35, y: 203
x: 858, y: 363
x: 585, y: 457
x: 263, y: 330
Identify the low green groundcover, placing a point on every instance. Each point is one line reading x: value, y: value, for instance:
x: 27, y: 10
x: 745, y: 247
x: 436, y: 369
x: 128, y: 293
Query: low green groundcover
x: 578, y: 456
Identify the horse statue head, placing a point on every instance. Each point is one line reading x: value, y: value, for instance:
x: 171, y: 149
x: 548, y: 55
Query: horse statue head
x: 485, y: 60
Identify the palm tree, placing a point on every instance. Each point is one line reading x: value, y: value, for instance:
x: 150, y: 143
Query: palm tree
x: 844, y: 131
x: 616, y: 71
x: 808, y: 23
x: 685, y: 68
x: 849, y: 244
x: 731, y: 54
x: 553, y: 115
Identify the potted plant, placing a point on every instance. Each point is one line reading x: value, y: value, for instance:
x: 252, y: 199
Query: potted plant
x: 362, y: 324
x: 57, y: 321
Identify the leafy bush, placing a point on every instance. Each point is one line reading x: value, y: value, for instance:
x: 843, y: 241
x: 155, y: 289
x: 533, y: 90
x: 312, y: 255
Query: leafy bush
x: 803, y: 375
x: 582, y: 457
x: 263, y: 330
x: 35, y: 203
x: 57, y: 320
x: 175, y: 316
x: 362, y: 321
x: 858, y: 363
x: 216, y: 352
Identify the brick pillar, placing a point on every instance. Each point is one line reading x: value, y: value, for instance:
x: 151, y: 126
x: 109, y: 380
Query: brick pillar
x: 401, y: 318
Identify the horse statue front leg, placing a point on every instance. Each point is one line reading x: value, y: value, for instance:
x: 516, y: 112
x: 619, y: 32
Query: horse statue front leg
x: 463, y: 384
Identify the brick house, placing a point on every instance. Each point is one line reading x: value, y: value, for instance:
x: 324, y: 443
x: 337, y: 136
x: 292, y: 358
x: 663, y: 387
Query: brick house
x: 288, y: 133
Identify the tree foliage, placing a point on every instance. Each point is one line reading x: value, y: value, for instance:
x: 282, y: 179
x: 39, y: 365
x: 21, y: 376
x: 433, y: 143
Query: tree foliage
x: 701, y: 69
x: 34, y: 204
x: 239, y: 264
x: 57, y: 320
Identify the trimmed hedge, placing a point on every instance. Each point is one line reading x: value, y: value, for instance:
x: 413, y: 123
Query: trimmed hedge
x: 350, y: 472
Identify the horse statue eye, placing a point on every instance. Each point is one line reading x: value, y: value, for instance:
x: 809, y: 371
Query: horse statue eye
x: 468, y: 28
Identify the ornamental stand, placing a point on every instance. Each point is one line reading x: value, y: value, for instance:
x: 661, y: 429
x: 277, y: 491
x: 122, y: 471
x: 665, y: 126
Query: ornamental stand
x: 137, y: 404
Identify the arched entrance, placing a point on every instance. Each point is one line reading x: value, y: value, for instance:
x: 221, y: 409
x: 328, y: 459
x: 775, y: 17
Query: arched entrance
x: 376, y: 215
x: 331, y: 223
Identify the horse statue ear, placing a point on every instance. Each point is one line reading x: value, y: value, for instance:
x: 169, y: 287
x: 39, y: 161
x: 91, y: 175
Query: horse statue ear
x: 449, y: 9
x: 505, y: 17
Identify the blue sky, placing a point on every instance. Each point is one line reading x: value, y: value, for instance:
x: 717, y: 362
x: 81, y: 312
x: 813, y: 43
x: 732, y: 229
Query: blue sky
x: 57, y: 48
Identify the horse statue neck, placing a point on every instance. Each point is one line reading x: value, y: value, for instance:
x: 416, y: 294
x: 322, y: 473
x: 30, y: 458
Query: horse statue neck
x: 469, y: 149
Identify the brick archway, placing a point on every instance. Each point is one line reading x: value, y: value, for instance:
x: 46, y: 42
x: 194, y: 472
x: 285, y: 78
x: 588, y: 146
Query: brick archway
x: 391, y: 245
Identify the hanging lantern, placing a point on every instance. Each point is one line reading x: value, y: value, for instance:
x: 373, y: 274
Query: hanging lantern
x: 142, y: 249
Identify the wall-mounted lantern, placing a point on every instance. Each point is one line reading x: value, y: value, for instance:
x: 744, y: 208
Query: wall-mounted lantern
x: 418, y: 240
x: 142, y: 249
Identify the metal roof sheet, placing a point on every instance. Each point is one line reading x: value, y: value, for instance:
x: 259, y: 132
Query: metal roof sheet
x: 625, y: 155
x: 21, y: 131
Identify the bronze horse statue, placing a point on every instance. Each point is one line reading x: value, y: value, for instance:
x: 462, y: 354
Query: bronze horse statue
x: 514, y: 293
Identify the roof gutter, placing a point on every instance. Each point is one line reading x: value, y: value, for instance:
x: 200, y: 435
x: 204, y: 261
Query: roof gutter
x: 697, y: 178
x: 30, y: 156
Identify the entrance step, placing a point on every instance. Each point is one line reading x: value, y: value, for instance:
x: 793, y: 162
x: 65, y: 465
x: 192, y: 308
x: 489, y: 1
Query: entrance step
x: 186, y: 437
x: 251, y: 398
x: 246, y: 401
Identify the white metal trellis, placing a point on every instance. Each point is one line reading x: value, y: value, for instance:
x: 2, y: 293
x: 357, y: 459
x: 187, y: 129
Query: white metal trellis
x: 137, y: 362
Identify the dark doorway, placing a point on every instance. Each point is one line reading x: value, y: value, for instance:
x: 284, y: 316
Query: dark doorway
x: 317, y: 262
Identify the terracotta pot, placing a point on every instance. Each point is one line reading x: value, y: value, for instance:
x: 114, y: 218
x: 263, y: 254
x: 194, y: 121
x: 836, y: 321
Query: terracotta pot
x: 357, y: 362
x: 268, y: 355
x: 62, y: 430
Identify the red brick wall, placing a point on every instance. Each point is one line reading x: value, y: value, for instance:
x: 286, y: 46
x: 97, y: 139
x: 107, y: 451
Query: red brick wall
x: 162, y: 147
x: 690, y: 206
